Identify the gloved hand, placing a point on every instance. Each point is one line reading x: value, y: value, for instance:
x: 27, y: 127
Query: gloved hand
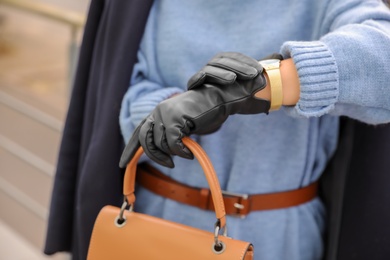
x: 201, y: 110
x: 226, y: 67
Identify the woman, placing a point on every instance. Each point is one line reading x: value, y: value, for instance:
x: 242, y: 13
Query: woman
x: 335, y: 60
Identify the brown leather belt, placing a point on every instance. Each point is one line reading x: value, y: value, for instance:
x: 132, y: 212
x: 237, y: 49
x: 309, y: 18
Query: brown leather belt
x: 235, y: 204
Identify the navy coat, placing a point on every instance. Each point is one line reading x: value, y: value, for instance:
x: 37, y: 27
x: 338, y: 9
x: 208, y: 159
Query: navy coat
x: 88, y: 176
x: 355, y: 187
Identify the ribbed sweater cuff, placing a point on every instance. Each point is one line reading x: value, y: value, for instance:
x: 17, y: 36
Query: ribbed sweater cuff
x: 318, y: 76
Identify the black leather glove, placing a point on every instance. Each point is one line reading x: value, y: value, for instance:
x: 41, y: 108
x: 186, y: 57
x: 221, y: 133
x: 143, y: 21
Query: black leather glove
x: 201, y: 110
x: 226, y: 67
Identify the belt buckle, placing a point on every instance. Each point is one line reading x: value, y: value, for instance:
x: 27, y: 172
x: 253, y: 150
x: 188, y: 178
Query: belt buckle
x: 238, y: 206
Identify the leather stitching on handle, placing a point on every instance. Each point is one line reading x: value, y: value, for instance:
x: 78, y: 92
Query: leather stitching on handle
x: 211, y: 176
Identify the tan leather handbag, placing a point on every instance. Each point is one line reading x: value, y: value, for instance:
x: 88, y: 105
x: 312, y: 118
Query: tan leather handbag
x: 123, y: 234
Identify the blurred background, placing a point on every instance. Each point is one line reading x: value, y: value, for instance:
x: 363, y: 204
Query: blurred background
x: 39, y: 42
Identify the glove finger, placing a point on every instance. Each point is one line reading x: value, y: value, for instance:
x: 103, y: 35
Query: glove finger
x: 175, y: 143
x: 215, y: 75
x: 160, y: 140
x: 241, y: 58
x: 146, y: 139
x: 243, y: 66
x: 131, y: 147
x: 196, y: 80
x: 242, y: 70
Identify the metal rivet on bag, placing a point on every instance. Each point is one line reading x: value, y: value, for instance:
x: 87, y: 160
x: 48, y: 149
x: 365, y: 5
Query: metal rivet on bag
x: 219, y: 248
x: 120, y: 222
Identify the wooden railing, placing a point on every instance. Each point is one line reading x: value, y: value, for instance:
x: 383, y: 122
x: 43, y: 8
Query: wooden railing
x: 72, y: 19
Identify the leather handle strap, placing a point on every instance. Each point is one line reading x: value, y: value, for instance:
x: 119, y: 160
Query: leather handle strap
x: 208, y: 169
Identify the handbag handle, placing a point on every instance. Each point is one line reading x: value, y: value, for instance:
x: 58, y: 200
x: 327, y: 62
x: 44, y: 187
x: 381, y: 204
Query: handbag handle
x: 208, y: 169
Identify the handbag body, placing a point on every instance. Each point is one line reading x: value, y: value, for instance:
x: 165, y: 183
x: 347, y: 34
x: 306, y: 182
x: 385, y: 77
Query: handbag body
x: 119, y: 233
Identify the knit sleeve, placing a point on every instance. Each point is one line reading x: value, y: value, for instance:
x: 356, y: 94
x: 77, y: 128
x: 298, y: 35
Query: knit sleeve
x: 143, y: 95
x: 345, y: 72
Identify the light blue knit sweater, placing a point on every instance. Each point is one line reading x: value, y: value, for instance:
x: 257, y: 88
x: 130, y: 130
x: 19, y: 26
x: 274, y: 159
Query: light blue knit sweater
x: 341, y: 50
